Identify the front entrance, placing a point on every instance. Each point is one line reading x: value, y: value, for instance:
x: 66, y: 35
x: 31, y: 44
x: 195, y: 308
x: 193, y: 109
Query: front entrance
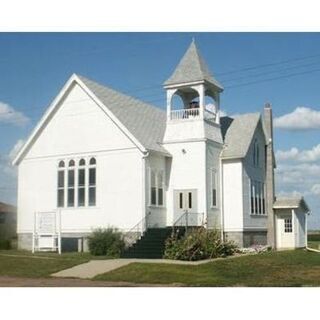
x: 285, y: 232
x: 185, y: 201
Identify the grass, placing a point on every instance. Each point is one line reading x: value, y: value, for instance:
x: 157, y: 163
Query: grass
x: 25, y: 264
x: 314, y: 244
x: 314, y: 240
x: 286, y: 268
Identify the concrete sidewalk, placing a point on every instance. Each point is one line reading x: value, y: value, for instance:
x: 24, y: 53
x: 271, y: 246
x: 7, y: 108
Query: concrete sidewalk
x: 92, y: 268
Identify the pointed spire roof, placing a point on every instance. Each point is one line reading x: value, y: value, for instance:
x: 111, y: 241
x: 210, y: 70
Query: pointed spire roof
x: 192, y: 68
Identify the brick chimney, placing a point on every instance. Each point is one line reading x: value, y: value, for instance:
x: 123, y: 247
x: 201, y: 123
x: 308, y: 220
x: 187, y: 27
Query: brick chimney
x: 270, y: 165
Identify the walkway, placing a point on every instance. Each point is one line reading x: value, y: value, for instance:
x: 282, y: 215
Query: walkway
x: 92, y: 268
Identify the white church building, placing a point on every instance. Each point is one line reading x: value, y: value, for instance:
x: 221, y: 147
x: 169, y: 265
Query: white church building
x: 101, y: 158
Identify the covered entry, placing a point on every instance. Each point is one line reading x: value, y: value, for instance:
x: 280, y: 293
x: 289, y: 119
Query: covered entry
x: 291, y: 223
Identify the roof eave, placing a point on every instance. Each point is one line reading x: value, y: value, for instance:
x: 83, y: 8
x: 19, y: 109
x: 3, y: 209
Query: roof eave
x: 172, y: 85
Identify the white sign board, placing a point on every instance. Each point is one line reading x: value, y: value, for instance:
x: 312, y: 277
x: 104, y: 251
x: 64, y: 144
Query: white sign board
x: 46, y: 223
x: 47, y: 233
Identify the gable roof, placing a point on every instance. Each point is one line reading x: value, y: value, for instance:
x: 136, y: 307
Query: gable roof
x: 237, y: 134
x: 146, y: 122
x: 290, y: 203
x: 192, y: 68
x: 143, y: 123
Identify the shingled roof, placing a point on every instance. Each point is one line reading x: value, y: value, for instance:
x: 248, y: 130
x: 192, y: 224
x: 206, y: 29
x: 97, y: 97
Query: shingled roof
x: 192, y: 68
x: 237, y: 134
x: 290, y: 203
x: 145, y: 122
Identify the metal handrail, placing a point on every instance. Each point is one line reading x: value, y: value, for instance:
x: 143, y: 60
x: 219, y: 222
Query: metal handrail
x: 136, y: 232
x: 185, y: 218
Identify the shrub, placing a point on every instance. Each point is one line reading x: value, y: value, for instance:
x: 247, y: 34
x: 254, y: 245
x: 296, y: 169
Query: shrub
x: 5, y: 244
x: 106, y: 242
x: 198, y: 244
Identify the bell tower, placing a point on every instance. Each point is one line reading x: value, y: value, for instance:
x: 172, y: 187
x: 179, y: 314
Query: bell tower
x: 194, y: 117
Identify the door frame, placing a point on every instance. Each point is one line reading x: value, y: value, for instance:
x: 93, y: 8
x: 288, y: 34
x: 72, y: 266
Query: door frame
x: 177, y: 210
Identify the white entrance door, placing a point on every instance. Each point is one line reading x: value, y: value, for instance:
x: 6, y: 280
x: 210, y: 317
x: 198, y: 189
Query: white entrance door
x: 285, y: 231
x: 185, y: 201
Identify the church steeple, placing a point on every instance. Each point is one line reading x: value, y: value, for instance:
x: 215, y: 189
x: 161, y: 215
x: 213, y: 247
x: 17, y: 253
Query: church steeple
x: 192, y: 68
x: 193, y: 82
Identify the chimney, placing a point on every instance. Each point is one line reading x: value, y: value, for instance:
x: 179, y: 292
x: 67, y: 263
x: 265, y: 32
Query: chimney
x: 270, y: 164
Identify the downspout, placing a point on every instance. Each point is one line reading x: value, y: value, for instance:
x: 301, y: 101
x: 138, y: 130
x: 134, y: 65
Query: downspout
x: 206, y: 187
x: 144, y: 191
x: 221, y: 197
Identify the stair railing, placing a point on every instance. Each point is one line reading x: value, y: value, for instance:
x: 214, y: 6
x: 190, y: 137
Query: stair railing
x: 189, y: 219
x: 136, y: 232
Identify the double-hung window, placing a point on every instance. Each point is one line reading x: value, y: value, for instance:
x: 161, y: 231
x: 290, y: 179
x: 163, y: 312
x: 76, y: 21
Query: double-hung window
x: 61, y: 184
x: 82, y: 183
x: 156, y: 188
x: 160, y: 188
x: 71, y: 183
x: 92, y: 182
x: 257, y: 198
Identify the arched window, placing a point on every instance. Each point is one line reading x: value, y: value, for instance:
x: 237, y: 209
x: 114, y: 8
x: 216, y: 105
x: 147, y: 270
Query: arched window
x: 82, y: 183
x: 156, y: 180
x: 92, y: 182
x: 71, y: 183
x: 76, y: 185
x: 71, y: 163
x: 61, y: 185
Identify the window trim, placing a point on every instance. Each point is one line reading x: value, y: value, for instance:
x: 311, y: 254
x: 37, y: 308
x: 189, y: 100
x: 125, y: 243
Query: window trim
x: 63, y: 188
x: 76, y: 167
x: 288, y: 225
x: 257, y: 198
x: 92, y: 166
x: 156, y: 188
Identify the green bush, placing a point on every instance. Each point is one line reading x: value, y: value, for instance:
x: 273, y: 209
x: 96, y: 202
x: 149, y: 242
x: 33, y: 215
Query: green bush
x: 5, y: 244
x: 106, y: 242
x: 198, y: 244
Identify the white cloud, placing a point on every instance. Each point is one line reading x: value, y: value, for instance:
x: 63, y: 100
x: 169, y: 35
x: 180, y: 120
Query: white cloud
x: 9, y: 115
x: 301, y: 118
x: 294, y: 154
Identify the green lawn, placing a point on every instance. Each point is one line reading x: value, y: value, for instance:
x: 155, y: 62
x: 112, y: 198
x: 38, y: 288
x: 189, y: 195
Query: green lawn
x: 24, y: 264
x: 287, y: 268
x: 314, y: 244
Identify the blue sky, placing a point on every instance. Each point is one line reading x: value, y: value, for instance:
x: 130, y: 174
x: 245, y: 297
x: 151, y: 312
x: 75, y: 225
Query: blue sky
x: 280, y: 68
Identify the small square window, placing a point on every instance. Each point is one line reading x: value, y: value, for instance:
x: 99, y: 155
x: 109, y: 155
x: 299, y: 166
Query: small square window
x: 288, y: 225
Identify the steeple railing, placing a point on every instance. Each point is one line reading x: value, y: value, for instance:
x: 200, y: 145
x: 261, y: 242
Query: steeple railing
x: 192, y: 113
x: 184, y: 114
